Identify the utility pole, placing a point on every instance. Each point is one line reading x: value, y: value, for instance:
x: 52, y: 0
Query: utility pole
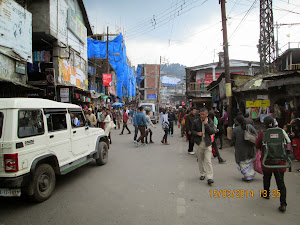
x: 226, y: 62
x: 158, y: 85
x: 107, y: 50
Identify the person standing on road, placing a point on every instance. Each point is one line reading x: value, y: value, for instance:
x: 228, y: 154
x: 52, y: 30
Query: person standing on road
x: 211, y: 115
x: 118, y: 118
x: 125, y: 121
x: 136, y: 130
x: 108, y: 124
x: 91, y: 117
x: 165, y: 126
x: 202, y: 129
x: 141, y: 123
x: 225, y: 122
x: 182, y: 121
x: 188, y: 127
x: 149, y: 123
x: 171, y: 116
x: 267, y: 172
x: 244, y: 152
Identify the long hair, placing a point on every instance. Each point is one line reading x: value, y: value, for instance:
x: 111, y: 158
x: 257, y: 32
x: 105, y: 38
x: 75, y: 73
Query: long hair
x: 241, y: 121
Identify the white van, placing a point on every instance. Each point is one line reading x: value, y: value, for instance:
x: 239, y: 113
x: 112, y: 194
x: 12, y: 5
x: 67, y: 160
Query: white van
x: 154, y: 112
x: 41, y: 138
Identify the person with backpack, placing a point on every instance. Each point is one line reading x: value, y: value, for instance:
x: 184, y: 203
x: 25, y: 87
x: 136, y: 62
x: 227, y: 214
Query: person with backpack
x: 165, y: 126
x: 267, y: 172
x: 244, y: 152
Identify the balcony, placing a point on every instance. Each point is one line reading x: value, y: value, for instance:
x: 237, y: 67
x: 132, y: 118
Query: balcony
x: 197, y: 90
x: 194, y: 86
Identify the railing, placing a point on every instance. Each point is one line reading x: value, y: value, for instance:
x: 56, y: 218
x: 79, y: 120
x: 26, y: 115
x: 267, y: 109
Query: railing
x: 294, y: 67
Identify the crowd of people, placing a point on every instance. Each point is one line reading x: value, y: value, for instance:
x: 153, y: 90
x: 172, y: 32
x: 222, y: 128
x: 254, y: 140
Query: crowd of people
x: 201, y: 129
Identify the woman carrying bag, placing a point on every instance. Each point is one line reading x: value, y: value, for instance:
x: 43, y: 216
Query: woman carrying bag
x: 165, y: 126
x: 109, y: 124
x: 244, y: 151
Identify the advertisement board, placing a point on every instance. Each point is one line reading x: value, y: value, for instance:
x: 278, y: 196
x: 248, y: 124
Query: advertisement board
x: 16, y: 28
x: 76, y: 26
x: 107, y: 78
x: 151, y: 96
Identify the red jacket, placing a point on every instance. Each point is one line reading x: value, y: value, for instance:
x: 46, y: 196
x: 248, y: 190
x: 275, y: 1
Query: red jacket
x: 259, y: 145
x: 125, y: 117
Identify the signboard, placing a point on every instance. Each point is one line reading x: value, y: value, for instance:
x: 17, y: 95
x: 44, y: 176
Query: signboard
x: 258, y: 103
x: 107, y: 78
x: 151, y: 96
x: 65, y: 95
x: 262, y: 97
x: 16, y: 28
x: 76, y: 26
x: 20, y: 68
x: 70, y: 75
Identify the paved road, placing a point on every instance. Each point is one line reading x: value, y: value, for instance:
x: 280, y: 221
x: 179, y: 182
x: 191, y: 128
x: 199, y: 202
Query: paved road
x: 153, y: 185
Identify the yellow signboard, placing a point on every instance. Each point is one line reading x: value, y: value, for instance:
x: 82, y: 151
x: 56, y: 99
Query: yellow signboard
x: 258, y: 103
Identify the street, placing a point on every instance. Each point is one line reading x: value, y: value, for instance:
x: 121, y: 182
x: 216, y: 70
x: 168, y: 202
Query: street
x: 158, y: 185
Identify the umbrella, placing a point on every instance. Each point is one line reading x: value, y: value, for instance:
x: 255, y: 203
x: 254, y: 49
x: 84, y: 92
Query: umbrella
x: 117, y: 104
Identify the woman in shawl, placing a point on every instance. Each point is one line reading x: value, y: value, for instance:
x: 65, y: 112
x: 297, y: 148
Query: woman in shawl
x: 108, y: 124
x: 244, y: 152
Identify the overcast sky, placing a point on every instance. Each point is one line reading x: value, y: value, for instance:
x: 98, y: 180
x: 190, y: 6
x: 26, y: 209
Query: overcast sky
x: 189, y: 32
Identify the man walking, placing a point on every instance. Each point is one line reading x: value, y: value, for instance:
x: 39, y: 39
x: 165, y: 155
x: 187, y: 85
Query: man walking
x: 125, y: 121
x: 188, y: 127
x: 202, y: 129
x: 141, y: 123
x: 171, y: 116
x: 136, y: 130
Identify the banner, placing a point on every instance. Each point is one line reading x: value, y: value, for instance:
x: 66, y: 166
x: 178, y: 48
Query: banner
x: 107, y: 78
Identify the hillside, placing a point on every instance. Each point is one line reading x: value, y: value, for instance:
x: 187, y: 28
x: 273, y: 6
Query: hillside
x: 174, y: 69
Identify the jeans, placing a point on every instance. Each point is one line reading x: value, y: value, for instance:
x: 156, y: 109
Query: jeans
x: 220, y: 136
x: 279, y: 177
x: 171, y: 127
x: 125, y: 126
x: 191, y: 142
x: 214, y: 144
x: 143, y: 133
x: 165, y: 137
x: 136, y: 130
x: 147, y: 132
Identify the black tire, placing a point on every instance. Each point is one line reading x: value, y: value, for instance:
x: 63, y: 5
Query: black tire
x: 103, y: 154
x: 43, y: 183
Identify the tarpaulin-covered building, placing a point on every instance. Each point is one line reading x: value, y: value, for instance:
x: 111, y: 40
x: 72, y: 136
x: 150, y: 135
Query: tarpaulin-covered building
x: 125, y: 78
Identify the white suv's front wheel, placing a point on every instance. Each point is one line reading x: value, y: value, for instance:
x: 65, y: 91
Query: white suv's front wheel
x: 103, y: 154
x: 43, y: 183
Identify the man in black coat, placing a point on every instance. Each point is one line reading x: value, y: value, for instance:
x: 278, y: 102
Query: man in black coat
x: 189, y: 120
x: 202, y: 129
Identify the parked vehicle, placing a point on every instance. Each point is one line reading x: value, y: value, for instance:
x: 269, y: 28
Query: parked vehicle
x: 154, y: 116
x: 40, y: 139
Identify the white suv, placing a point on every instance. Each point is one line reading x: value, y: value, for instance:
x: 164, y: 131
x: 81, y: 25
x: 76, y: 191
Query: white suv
x: 41, y: 138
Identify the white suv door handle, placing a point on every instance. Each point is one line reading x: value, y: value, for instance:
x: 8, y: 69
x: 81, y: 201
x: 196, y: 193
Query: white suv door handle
x: 51, y: 136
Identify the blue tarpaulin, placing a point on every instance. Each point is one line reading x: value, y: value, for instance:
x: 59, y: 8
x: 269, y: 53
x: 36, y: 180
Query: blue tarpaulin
x: 125, y: 74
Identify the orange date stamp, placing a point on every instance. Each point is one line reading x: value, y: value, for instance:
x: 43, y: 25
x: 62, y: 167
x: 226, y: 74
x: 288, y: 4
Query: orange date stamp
x: 228, y: 193
x: 240, y: 193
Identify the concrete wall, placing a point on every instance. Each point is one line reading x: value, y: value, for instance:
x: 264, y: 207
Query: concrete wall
x: 8, y: 68
x: 40, y: 16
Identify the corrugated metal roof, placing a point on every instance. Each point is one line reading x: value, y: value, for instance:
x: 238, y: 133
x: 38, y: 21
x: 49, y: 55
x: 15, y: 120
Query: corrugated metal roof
x: 254, y: 84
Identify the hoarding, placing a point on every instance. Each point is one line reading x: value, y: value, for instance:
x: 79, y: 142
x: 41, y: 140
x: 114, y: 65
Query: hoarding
x: 151, y: 96
x: 107, y: 78
x: 16, y: 28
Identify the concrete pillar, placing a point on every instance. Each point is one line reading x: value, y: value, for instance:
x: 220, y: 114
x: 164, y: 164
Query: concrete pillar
x: 214, y: 73
x: 287, y: 63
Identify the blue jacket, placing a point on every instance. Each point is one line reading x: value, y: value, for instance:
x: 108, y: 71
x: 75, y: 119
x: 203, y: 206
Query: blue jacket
x: 140, y: 119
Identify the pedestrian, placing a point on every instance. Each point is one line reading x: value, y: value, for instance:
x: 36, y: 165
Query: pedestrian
x: 202, y: 129
x: 149, y: 123
x: 118, y: 118
x: 141, y: 125
x: 114, y: 117
x: 220, y: 130
x: 125, y: 121
x: 171, y: 117
x: 244, y: 151
x: 225, y: 122
x: 188, y: 128
x: 91, y: 118
x: 165, y: 126
x: 108, y: 124
x: 211, y: 115
x: 136, y: 130
x: 248, y: 120
x: 295, y: 124
x: 267, y: 172
x: 182, y: 121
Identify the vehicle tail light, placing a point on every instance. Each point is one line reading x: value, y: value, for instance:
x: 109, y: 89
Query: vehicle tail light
x: 11, y: 163
x: 153, y: 114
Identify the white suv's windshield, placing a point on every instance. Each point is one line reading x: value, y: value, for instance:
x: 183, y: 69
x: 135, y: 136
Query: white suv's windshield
x: 1, y: 123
